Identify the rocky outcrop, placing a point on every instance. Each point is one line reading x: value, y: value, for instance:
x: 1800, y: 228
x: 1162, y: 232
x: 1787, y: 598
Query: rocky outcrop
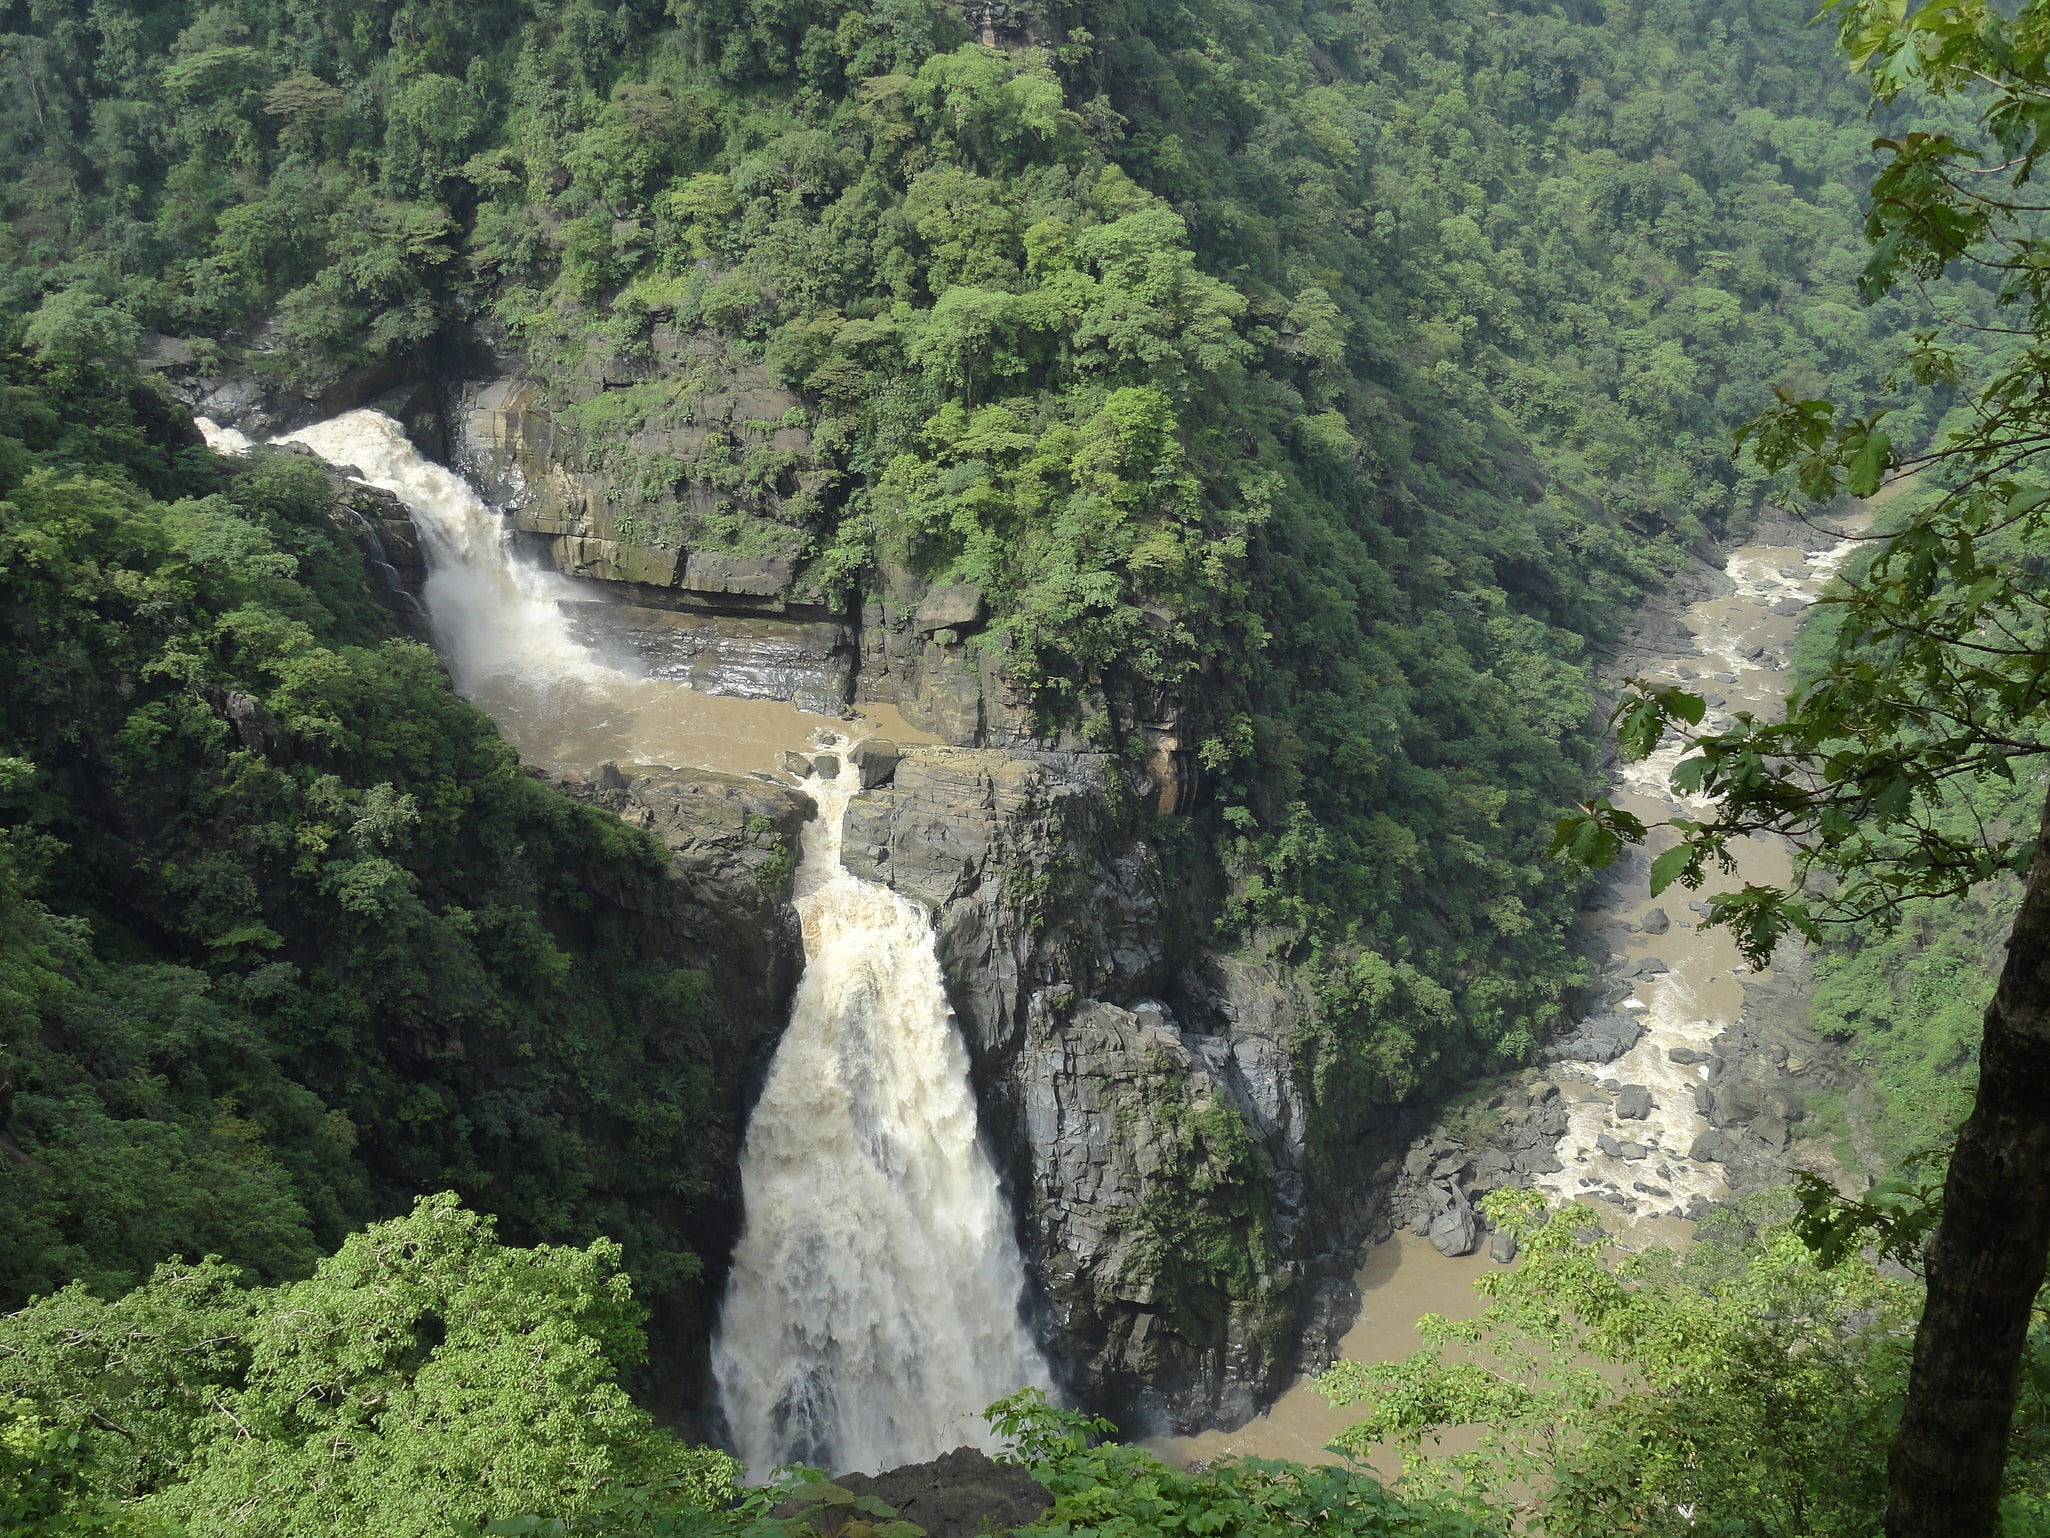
x: 393, y: 562
x: 961, y: 1494
x: 1139, y: 1088
x: 676, y: 483
x: 732, y: 845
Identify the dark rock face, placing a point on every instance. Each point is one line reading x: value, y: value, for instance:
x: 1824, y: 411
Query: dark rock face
x: 1114, y: 1061
x: 732, y: 844
x: 393, y: 562
x: 808, y: 661
x: 961, y: 1494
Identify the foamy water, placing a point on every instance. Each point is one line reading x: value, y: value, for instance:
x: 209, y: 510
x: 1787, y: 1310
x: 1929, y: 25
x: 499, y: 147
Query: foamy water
x: 500, y: 627
x: 1702, y: 992
x: 874, y: 1305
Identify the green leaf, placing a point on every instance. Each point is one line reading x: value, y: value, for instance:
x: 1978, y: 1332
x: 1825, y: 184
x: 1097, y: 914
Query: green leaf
x: 1671, y: 866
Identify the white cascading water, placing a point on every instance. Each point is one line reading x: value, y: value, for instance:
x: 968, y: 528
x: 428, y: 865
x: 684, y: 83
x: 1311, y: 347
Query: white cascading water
x: 495, y: 617
x: 873, y: 1310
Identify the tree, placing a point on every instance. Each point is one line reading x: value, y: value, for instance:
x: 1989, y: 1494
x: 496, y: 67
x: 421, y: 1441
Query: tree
x: 1939, y: 675
x: 424, y: 1374
x: 1741, y: 1389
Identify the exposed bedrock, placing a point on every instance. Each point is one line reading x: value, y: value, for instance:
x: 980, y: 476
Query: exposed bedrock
x: 1139, y: 1088
x: 732, y: 845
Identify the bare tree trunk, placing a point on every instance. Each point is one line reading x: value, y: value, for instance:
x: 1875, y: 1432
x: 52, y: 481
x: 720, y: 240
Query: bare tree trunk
x: 1986, y: 1261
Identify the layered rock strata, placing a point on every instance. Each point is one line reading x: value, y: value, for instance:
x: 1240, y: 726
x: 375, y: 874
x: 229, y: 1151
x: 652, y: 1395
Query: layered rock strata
x: 1139, y: 1089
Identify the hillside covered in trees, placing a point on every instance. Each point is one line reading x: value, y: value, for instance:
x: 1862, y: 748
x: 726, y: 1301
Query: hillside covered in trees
x: 1341, y: 374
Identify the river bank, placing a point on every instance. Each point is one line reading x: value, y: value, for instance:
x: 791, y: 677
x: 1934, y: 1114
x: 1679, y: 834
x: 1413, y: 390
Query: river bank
x: 1690, y: 1078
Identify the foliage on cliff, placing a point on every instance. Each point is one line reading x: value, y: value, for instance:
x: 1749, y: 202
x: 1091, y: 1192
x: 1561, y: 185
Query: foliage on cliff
x: 1334, y: 370
x: 286, y: 935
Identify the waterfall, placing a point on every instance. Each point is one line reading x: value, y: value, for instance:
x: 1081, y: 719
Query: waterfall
x: 873, y: 1309
x: 494, y: 616
x: 498, y: 620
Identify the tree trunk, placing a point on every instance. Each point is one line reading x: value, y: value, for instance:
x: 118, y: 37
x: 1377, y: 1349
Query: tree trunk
x: 1986, y: 1260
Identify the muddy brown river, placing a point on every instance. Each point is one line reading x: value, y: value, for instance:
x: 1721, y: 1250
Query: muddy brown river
x: 1688, y: 986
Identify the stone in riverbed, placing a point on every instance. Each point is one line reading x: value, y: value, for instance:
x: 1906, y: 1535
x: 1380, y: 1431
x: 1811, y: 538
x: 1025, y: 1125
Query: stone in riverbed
x: 1656, y: 922
x: 1502, y: 1249
x: 1633, y: 1102
x: 798, y: 764
x: 826, y: 765
x: 1685, y: 1056
x: 1710, y: 1148
x: 1598, y: 1039
x: 877, y: 759
x: 1455, y: 1230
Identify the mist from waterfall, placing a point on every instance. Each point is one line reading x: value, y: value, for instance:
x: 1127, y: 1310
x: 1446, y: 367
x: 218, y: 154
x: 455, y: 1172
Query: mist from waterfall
x: 873, y: 1309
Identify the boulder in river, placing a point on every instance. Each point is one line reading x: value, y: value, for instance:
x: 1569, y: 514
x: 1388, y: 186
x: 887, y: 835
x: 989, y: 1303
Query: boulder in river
x: 1656, y: 922
x: 1502, y: 1249
x: 1455, y: 1230
x: 1598, y: 1039
x: 1633, y: 1102
x: 1710, y: 1148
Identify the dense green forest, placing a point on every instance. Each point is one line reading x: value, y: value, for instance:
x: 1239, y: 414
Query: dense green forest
x: 1342, y: 371
x: 288, y: 935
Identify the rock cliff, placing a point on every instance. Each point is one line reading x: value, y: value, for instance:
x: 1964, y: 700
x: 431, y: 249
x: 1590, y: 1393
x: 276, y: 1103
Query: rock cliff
x: 1138, y: 1087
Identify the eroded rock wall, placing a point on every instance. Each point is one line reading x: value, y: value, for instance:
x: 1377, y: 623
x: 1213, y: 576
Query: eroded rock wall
x: 1139, y: 1089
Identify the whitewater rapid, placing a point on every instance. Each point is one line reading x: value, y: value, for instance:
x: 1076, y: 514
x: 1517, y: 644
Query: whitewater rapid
x: 494, y: 617
x: 874, y: 1306
x: 1738, y: 659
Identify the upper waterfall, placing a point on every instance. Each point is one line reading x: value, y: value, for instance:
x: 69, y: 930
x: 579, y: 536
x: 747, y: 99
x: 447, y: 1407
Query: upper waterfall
x: 501, y: 627
x: 873, y: 1310
x: 494, y: 616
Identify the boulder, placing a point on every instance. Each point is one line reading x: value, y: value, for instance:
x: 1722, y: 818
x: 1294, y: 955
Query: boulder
x: 798, y: 764
x: 751, y: 576
x: 961, y: 1494
x: 1631, y: 1150
x: 1608, y: 1145
x: 1710, y: 1148
x: 876, y: 758
x: 957, y: 606
x: 1656, y: 922
x: 1633, y: 1102
x: 1734, y: 1104
x: 1502, y: 1249
x: 1598, y: 1039
x: 826, y: 765
x: 1685, y: 1056
x: 1456, y: 1230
